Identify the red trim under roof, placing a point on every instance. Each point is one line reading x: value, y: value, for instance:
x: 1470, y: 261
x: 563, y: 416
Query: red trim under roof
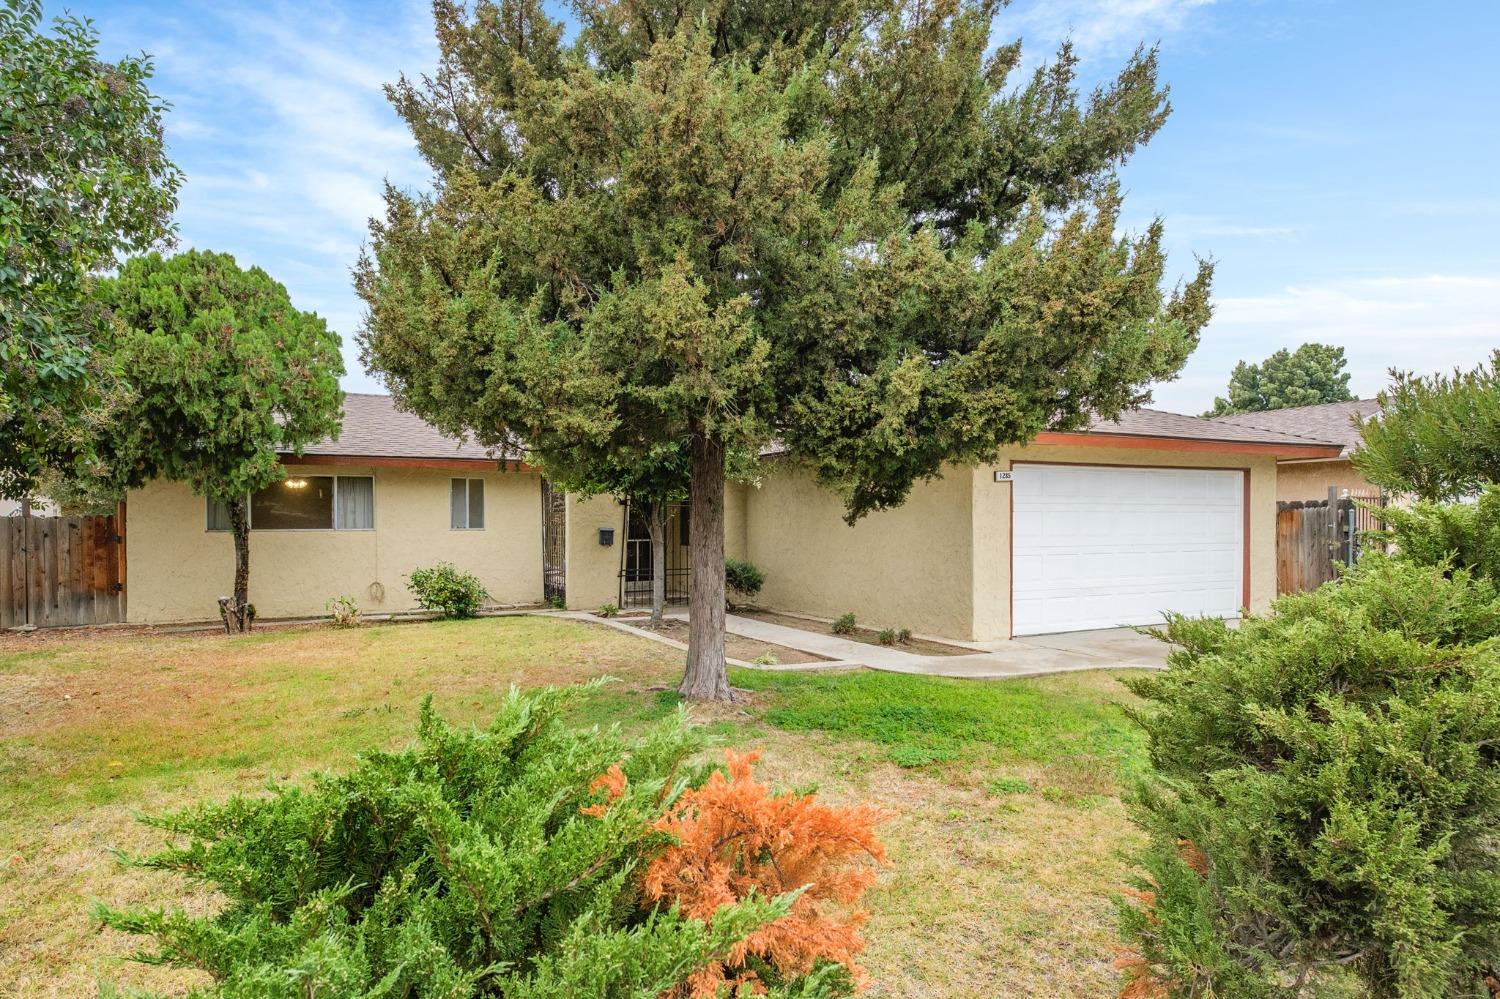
x: 1308, y: 450
x: 365, y: 461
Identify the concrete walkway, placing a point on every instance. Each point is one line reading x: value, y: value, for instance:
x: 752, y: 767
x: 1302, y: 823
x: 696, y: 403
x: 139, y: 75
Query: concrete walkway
x: 1114, y: 648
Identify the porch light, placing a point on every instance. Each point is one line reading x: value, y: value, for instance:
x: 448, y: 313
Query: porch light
x: 296, y: 483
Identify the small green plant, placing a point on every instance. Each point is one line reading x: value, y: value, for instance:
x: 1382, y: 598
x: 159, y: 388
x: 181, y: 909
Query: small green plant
x: 557, y: 603
x: 903, y: 635
x: 608, y: 610
x: 887, y: 636
x: 1001, y: 786
x: 844, y: 625
x: 742, y: 579
x: 766, y: 659
x: 448, y: 590
x: 343, y: 611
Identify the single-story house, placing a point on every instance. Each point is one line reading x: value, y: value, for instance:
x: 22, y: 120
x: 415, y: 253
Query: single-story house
x: 1095, y: 529
x: 1333, y: 422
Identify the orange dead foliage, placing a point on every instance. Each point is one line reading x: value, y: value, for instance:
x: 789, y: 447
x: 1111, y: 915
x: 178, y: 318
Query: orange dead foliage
x: 1193, y: 857
x: 734, y: 837
x: 612, y: 782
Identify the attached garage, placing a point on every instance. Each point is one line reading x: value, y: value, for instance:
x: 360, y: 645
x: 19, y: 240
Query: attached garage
x: 1100, y: 546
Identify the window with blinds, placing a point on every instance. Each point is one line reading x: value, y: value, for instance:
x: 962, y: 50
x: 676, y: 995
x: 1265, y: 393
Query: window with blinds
x: 307, y: 503
x: 466, y: 505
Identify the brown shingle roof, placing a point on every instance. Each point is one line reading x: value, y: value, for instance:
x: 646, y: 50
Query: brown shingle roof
x: 375, y: 428
x: 1178, y: 426
x: 1331, y: 421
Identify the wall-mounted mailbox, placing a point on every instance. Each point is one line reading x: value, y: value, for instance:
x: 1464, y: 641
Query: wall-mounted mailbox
x: 606, y: 536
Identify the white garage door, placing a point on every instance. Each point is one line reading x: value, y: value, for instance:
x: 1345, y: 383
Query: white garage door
x: 1098, y: 547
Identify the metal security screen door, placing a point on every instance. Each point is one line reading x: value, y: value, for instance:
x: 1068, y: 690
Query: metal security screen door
x: 1098, y: 546
x: 554, y: 542
x: 635, y: 570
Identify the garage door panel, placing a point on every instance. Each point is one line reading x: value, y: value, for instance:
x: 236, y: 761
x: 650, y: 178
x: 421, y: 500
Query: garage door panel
x: 1100, y: 546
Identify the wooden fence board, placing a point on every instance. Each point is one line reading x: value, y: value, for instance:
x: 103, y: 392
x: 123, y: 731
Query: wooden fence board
x: 61, y: 571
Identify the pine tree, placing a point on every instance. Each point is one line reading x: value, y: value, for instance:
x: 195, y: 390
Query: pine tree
x: 846, y: 227
x: 1308, y: 376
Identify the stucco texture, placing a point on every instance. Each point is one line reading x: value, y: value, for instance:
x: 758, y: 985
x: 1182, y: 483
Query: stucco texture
x: 177, y: 569
x: 1296, y: 480
x: 940, y: 564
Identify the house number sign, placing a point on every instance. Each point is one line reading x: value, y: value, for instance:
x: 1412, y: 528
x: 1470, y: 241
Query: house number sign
x: 1005, y: 476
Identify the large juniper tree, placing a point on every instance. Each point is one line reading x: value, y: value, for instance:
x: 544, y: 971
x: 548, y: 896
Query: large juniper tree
x: 226, y: 374
x: 843, y: 226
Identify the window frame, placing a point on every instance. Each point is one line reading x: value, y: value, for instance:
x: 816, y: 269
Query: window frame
x: 468, y: 506
x: 208, y: 505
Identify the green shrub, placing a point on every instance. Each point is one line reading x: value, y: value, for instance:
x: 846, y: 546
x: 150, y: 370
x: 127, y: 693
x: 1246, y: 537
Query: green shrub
x: 743, y: 579
x: 903, y: 635
x: 343, y: 611
x: 1465, y: 535
x: 446, y: 589
x: 887, y: 636
x: 608, y: 610
x: 766, y: 659
x: 844, y: 625
x: 1325, y: 794
x: 495, y: 862
x: 557, y: 603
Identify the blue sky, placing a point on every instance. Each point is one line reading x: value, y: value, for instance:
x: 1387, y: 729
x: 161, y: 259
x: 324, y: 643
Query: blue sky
x: 1335, y: 157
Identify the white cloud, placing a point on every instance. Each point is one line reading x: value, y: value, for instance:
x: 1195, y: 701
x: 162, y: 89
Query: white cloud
x: 1098, y: 27
x: 1424, y: 323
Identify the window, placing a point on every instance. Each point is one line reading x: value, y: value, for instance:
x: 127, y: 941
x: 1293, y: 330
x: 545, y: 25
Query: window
x: 307, y: 503
x: 466, y: 505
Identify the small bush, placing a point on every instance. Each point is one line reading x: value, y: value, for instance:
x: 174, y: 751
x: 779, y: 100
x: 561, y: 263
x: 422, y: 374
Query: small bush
x: 1464, y: 535
x: 887, y: 636
x: 557, y: 603
x: 1325, y: 794
x: 343, y: 611
x: 766, y: 659
x: 743, y: 579
x: 525, y: 859
x: 608, y: 610
x: 844, y: 625
x: 903, y: 635
x: 444, y: 588
x: 733, y: 840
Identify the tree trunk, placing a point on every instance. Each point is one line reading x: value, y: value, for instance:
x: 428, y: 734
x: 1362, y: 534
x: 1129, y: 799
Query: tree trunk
x: 706, y: 679
x: 656, y: 526
x: 236, y: 611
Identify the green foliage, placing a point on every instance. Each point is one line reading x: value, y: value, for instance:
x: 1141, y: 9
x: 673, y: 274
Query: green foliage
x: 744, y: 579
x: 766, y: 659
x: 1325, y: 792
x: 608, y: 610
x: 84, y: 179
x: 887, y: 636
x: 903, y: 635
x: 1008, y: 785
x: 343, y: 611
x: 1464, y: 535
x: 476, y: 863
x: 1438, y: 437
x: 843, y: 624
x: 447, y: 589
x: 1312, y: 374
x: 557, y: 603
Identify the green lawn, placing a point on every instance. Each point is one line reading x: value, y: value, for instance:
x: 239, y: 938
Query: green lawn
x: 1006, y: 841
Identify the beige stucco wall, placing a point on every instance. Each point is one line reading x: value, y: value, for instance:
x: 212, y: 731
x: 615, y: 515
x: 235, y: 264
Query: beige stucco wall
x: 991, y: 520
x: 902, y: 568
x: 177, y: 569
x: 593, y: 570
x: 1310, y: 480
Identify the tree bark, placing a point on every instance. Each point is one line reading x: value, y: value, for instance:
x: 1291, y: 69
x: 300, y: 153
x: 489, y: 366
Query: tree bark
x: 656, y: 521
x: 706, y: 678
x: 237, y: 615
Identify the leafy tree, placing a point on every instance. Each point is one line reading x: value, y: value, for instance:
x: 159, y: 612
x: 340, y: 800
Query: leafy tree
x: 84, y: 179
x: 226, y: 373
x: 1324, y: 795
x: 1462, y: 535
x: 507, y: 861
x: 1437, y: 437
x: 711, y: 225
x: 1312, y: 374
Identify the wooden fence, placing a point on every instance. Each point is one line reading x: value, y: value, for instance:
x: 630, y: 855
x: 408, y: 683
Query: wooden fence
x: 61, y: 571
x: 1313, y: 537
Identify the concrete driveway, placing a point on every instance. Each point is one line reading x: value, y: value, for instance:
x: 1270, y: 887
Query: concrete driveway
x: 1113, y: 648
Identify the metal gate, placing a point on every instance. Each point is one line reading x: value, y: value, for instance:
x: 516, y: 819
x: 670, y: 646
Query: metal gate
x: 1313, y: 537
x: 61, y: 571
x: 635, y: 560
x: 554, y: 543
